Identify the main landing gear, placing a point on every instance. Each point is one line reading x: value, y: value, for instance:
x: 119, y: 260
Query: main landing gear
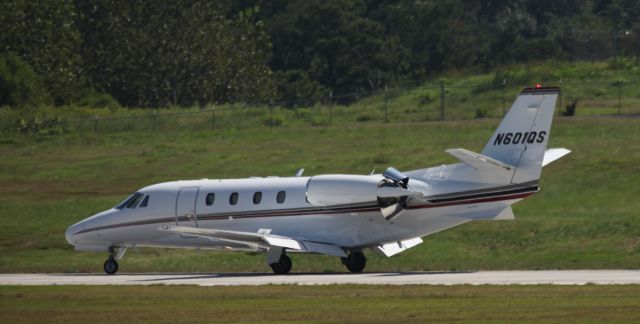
x: 355, y: 262
x: 279, y: 262
x: 283, y: 266
x: 111, y: 265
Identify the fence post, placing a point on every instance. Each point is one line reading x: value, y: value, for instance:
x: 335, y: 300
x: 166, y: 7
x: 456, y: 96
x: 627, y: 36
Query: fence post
x: 95, y: 124
x: 504, y: 108
x: 270, y: 113
x: 560, y: 98
x: 619, y: 96
x: 330, y: 107
x: 386, y: 105
x: 213, y: 117
x: 441, y: 100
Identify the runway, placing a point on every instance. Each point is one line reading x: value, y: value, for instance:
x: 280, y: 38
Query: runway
x: 559, y: 277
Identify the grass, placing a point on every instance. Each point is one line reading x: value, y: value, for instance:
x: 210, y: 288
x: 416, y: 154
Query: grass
x: 586, y: 215
x: 600, y: 88
x: 341, y: 303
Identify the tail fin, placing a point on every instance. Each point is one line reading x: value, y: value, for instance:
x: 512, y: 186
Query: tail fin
x: 521, y: 139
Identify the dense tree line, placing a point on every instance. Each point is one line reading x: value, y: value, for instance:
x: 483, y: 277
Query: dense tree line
x: 163, y: 52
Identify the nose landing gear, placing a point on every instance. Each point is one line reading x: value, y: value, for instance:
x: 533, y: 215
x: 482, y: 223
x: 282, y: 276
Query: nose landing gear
x: 111, y: 265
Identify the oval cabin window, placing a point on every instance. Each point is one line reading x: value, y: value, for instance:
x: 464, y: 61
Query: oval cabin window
x: 257, y: 197
x: 281, y: 197
x: 233, y: 199
x: 211, y: 197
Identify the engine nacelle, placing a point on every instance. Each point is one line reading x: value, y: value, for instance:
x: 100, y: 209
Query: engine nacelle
x: 341, y: 189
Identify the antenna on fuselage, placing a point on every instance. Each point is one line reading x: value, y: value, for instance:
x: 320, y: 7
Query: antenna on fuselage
x: 300, y: 172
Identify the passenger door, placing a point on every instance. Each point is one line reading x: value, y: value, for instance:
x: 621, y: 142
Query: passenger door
x: 186, y: 213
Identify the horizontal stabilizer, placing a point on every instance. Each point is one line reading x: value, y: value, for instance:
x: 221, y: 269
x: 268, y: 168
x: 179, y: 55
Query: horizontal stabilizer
x: 394, y: 248
x: 479, y: 161
x: 553, y: 154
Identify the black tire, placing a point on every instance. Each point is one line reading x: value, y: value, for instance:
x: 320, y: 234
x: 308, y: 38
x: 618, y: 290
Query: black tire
x: 283, y: 266
x: 110, y: 266
x: 356, y: 262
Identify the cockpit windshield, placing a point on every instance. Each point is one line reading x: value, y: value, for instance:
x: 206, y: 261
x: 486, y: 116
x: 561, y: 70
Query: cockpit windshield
x: 130, y: 202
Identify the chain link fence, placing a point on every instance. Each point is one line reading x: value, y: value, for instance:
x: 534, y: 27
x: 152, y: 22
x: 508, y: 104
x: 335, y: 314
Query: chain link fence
x: 435, y: 102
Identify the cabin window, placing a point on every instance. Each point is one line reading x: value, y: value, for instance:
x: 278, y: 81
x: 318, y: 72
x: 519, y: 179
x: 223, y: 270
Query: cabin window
x: 145, y: 201
x: 281, y: 197
x: 135, y: 200
x: 257, y: 197
x: 211, y: 197
x: 233, y: 199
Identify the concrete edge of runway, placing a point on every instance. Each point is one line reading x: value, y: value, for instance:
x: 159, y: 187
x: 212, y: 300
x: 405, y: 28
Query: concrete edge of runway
x: 543, y: 277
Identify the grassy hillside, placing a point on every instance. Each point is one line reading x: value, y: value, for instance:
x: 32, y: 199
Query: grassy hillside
x: 586, y: 215
x: 600, y: 88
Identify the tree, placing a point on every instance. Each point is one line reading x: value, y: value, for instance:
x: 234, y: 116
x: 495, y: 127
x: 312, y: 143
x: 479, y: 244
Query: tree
x: 44, y: 35
x: 332, y: 45
x: 19, y: 84
x: 438, y: 34
x: 174, y: 53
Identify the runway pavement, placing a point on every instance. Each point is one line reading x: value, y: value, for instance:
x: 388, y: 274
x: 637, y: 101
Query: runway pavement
x: 560, y: 277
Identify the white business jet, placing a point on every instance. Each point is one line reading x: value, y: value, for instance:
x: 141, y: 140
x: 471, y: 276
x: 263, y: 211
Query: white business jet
x: 334, y: 214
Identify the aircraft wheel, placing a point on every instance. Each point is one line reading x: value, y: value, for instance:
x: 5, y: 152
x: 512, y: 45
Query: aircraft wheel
x: 356, y: 262
x: 283, y: 266
x: 111, y: 266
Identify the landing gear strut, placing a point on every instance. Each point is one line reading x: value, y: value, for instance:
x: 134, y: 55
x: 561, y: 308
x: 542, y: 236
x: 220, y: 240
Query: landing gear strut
x: 355, y: 262
x: 283, y: 266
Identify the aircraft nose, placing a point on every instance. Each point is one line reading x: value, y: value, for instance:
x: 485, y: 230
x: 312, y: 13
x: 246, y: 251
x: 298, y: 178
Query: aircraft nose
x: 68, y: 234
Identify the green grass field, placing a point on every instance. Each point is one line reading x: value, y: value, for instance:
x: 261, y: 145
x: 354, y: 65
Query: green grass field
x: 341, y: 303
x: 586, y: 215
x: 600, y: 88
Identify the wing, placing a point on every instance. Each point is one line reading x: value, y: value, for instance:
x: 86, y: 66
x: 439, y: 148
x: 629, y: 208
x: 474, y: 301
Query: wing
x: 261, y: 239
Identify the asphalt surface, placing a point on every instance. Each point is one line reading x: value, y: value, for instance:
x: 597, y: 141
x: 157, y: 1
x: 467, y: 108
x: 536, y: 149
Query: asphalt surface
x: 560, y: 277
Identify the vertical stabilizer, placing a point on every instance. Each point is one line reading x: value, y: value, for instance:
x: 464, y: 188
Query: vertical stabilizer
x: 521, y: 139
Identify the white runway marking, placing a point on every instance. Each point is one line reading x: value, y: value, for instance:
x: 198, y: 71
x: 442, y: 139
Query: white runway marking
x: 561, y: 277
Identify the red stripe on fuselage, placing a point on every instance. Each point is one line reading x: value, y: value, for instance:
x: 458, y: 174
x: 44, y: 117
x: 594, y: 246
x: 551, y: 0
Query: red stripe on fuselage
x: 474, y: 201
x: 306, y: 213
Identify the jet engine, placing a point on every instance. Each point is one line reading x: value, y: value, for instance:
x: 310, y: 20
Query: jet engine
x: 339, y: 189
x: 390, y: 191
